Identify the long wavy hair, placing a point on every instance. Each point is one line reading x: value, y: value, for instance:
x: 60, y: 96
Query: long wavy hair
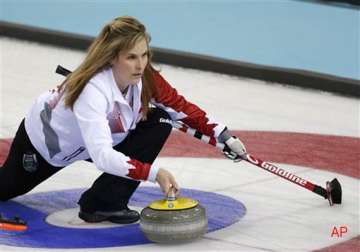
x: 118, y: 36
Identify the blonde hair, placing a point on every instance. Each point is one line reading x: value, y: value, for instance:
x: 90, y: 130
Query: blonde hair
x: 119, y: 35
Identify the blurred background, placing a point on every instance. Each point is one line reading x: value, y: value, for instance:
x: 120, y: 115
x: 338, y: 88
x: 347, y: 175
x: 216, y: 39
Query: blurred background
x: 317, y: 36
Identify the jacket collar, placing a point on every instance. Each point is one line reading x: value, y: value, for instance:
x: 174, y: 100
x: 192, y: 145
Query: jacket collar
x: 117, y: 95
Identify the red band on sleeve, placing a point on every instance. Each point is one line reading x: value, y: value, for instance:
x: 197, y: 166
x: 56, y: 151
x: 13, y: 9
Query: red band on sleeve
x: 140, y: 171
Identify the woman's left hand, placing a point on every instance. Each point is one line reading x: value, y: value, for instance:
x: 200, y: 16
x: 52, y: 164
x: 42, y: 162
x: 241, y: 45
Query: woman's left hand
x: 234, y: 149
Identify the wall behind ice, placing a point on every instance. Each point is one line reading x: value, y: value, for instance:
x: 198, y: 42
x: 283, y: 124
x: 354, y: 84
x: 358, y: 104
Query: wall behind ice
x: 285, y: 33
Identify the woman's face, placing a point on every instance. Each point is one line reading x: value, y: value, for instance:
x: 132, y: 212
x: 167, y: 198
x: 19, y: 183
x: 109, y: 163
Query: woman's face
x: 129, y: 66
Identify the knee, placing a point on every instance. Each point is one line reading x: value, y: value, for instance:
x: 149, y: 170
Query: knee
x: 10, y: 195
x: 4, y: 196
x: 8, y: 191
x: 4, y: 190
x: 159, y: 113
x: 163, y: 119
x: 165, y: 125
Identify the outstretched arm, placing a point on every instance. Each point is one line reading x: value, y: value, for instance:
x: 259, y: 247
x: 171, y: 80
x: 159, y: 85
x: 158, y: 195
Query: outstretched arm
x: 180, y: 109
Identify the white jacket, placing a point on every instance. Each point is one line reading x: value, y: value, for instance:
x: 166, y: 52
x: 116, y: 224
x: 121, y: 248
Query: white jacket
x: 102, y: 118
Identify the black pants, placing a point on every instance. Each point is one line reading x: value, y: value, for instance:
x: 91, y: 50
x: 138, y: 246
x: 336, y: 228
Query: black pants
x: 108, y: 192
x: 14, y: 179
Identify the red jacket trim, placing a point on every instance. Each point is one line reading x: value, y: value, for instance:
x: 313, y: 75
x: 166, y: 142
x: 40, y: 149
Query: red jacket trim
x: 140, y: 170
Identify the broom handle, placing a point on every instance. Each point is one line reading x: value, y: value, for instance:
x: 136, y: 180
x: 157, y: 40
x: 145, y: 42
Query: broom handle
x: 255, y: 161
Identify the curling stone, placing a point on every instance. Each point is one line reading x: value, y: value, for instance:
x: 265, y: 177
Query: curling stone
x: 173, y: 220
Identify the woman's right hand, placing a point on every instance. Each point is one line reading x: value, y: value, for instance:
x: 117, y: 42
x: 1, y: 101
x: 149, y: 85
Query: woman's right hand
x: 167, y: 182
